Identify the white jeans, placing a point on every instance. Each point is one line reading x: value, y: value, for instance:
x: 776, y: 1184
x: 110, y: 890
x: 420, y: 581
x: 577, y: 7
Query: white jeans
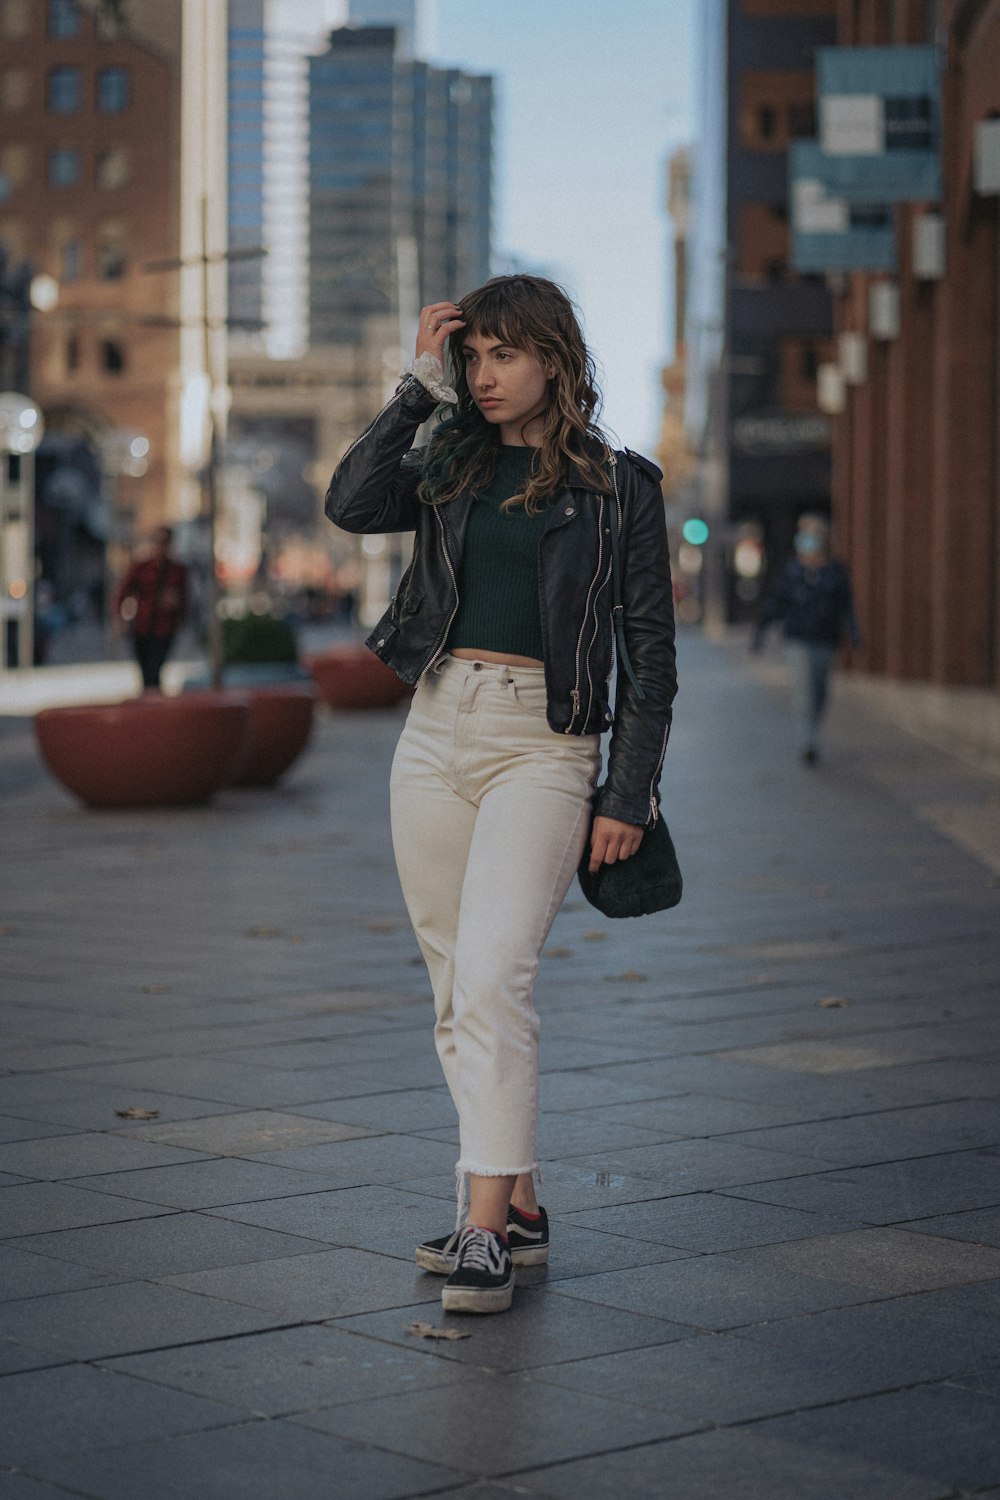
x: 490, y: 814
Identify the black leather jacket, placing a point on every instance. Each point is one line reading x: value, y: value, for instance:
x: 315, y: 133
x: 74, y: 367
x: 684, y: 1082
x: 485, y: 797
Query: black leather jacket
x: 374, y: 489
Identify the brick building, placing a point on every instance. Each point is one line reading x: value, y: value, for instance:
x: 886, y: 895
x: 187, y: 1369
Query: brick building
x: 757, y: 330
x: 916, y: 474
x: 89, y: 192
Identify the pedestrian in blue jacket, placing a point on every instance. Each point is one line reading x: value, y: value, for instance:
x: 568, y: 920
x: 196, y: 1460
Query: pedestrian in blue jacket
x: 812, y: 600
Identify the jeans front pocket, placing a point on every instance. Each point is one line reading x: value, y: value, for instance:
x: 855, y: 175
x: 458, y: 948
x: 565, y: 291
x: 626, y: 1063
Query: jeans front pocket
x: 530, y: 694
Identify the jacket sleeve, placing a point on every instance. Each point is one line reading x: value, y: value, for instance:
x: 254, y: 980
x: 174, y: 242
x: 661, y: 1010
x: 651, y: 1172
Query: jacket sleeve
x: 641, y: 727
x: 774, y: 606
x: 374, y: 487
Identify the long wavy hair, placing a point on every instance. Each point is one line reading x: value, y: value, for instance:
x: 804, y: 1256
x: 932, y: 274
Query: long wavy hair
x: 534, y: 314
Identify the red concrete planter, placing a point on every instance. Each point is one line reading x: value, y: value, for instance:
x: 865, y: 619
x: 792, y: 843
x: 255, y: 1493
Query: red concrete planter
x: 146, y: 752
x: 281, y: 721
x: 352, y: 677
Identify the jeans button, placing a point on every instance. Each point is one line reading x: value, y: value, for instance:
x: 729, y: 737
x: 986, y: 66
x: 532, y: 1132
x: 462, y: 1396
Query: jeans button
x: 477, y: 666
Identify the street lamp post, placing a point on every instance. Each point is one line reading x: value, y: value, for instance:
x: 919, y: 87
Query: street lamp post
x: 21, y: 431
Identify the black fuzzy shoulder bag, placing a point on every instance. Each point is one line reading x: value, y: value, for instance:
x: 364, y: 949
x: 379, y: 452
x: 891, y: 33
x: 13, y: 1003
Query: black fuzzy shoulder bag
x: 650, y: 879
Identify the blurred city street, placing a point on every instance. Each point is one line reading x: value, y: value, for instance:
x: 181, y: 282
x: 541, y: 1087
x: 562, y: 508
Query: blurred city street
x: 770, y: 1141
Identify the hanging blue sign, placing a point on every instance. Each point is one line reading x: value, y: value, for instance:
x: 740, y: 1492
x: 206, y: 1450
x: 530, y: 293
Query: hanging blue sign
x: 879, y: 122
x: 828, y: 231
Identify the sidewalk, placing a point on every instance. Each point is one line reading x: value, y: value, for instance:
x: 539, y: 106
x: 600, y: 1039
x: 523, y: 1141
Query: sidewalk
x: 770, y: 1141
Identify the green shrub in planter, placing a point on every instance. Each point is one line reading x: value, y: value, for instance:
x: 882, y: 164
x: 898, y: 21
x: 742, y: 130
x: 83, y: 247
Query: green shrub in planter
x: 258, y: 638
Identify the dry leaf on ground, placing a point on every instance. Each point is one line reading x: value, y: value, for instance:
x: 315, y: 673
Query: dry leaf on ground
x: 135, y: 1113
x: 833, y: 1001
x: 596, y: 936
x: 428, y: 1331
x: 557, y: 953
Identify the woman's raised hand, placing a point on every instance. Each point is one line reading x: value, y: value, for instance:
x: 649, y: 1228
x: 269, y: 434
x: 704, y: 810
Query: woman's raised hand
x: 436, y: 323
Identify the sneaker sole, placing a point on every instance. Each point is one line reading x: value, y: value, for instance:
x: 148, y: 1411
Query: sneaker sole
x: 470, y: 1299
x: 439, y: 1265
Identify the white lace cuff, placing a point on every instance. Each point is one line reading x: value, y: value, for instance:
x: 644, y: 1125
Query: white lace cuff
x: 429, y: 370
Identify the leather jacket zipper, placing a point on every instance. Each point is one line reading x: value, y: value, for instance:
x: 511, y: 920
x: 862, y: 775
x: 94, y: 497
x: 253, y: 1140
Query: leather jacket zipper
x: 579, y: 655
x: 454, y: 581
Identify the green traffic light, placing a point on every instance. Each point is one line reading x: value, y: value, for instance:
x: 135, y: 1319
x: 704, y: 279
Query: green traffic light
x: 695, y: 532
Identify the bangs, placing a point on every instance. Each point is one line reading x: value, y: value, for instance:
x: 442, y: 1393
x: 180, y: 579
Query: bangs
x: 492, y: 313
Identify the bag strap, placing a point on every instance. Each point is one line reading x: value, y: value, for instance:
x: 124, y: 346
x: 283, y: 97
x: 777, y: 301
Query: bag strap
x: 618, y: 608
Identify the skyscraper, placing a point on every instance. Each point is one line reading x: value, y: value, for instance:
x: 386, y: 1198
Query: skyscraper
x: 400, y: 183
x: 270, y: 42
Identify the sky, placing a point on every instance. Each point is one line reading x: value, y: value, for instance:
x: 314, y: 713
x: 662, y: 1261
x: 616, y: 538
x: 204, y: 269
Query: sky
x: 592, y: 96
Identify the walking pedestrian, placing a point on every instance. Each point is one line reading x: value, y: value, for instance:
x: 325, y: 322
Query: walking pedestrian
x: 503, y: 620
x: 812, y: 599
x: 150, y: 603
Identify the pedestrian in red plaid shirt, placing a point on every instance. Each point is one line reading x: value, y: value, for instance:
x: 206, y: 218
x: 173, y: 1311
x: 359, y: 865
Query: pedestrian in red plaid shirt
x: 150, y: 601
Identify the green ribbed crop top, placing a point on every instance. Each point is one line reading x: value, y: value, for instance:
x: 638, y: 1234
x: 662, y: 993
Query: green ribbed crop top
x: 498, y: 579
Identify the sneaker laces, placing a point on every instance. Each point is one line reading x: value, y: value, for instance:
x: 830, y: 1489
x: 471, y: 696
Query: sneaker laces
x: 479, y: 1251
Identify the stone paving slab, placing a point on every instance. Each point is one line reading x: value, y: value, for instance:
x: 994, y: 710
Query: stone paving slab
x: 25, y: 1274
x: 551, y: 1424
x: 542, y: 1328
x: 713, y: 1292
x: 887, y: 1193
x: 883, y: 1260
x: 166, y: 1246
x: 709, y: 1222
x: 276, y: 1373
x: 77, y: 1407
x: 87, y: 1154
x: 213, y: 1183
x: 256, y: 1461
x: 241, y: 1134
x: 937, y: 1432
x: 723, y: 1149
x: 324, y: 1284
x: 690, y: 1469
x: 121, y: 1319
x: 716, y: 1378
x: 32, y: 1208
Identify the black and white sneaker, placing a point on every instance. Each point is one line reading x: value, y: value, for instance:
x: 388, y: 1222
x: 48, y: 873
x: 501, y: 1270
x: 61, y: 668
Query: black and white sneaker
x: 483, y: 1278
x: 528, y: 1238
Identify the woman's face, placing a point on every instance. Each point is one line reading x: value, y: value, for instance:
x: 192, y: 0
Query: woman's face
x: 510, y: 386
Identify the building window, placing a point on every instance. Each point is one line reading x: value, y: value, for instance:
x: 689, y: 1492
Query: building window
x: 801, y: 120
x: 14, y: 167
x: 112, y: 356
x: 767, y: 123
x: 64, y: 167
x: 110, y: 258
x: 64, y: 91
x: 69, y: 260
x: 112, y: 90
x: 64, y: 18
x: 112, y: 167
x: 15, y: 84
x: 111, y: 20
x: 15, y: 18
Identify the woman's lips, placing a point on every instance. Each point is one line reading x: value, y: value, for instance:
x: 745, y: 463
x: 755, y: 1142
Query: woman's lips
x: 489, y: 401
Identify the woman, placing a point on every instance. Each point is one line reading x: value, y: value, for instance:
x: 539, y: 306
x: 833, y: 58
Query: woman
x: 503, y: 620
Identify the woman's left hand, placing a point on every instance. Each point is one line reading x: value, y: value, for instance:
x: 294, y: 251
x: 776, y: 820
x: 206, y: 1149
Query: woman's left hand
x: 611, y: 841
